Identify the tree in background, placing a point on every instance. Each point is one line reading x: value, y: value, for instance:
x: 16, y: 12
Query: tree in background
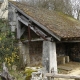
x: 76, y: 8
x: 70, y: 7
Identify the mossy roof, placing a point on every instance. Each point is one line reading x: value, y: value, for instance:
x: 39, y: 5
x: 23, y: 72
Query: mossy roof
x: 58, y: 23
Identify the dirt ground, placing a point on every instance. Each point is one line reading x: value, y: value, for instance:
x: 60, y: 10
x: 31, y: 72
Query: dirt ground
x: 72, y: 68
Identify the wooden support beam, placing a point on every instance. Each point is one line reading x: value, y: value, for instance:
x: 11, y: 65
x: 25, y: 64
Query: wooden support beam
x: 24, y: 22
x: 33, y: 40
x: 39, y: 31
x: 38, y: 39
x: 24, y: 18
x: 62, y: 76
x: 35, y: 29
x: 18, y: 30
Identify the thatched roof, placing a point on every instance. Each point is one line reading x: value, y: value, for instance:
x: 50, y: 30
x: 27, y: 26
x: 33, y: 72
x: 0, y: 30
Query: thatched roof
x: 61, y: 25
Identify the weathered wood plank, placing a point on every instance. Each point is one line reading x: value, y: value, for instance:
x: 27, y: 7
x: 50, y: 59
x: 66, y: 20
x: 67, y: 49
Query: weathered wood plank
x: 24, y: 22
x: 63, y: 76
x: 18, y: 30
x: 33, y: 40
x: 37, y: 39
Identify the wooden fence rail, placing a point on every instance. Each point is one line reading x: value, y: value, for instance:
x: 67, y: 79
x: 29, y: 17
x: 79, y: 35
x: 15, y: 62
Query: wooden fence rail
x: 67, y: 76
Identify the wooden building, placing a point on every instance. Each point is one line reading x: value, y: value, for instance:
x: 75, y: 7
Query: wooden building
x: 44, y: 35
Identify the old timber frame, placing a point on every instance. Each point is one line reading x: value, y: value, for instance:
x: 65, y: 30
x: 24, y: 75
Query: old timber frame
x: 49, y: 48
x: 22, y: 23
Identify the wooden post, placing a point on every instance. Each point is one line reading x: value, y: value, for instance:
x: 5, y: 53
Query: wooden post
x: 18, y: 29
x: 66, y: 76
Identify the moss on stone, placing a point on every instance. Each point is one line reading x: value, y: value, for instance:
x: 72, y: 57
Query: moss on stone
x: 28, y: 72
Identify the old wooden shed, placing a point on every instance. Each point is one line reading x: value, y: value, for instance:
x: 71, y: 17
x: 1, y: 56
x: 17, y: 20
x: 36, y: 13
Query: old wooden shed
x: 44, y: 35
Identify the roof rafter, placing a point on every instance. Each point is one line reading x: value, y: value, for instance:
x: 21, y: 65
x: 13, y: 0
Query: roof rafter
x: 34, y: 28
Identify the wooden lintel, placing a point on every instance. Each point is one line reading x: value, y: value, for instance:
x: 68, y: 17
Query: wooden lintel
x: 38, y: 39
x: 33, y: 40
x: 62, y: 76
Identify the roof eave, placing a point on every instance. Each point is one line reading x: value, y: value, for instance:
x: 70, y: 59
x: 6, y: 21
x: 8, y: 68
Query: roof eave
x: 43, y: 27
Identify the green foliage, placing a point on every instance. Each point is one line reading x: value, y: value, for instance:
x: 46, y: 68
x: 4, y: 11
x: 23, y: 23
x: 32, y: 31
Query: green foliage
x: 8, y: 49
x: 28, y: 72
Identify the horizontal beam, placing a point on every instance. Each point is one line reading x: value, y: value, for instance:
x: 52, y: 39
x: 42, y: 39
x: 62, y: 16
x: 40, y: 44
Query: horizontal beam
x: 62, y: 76
x: 38, y: 39
x: 33, y: 40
